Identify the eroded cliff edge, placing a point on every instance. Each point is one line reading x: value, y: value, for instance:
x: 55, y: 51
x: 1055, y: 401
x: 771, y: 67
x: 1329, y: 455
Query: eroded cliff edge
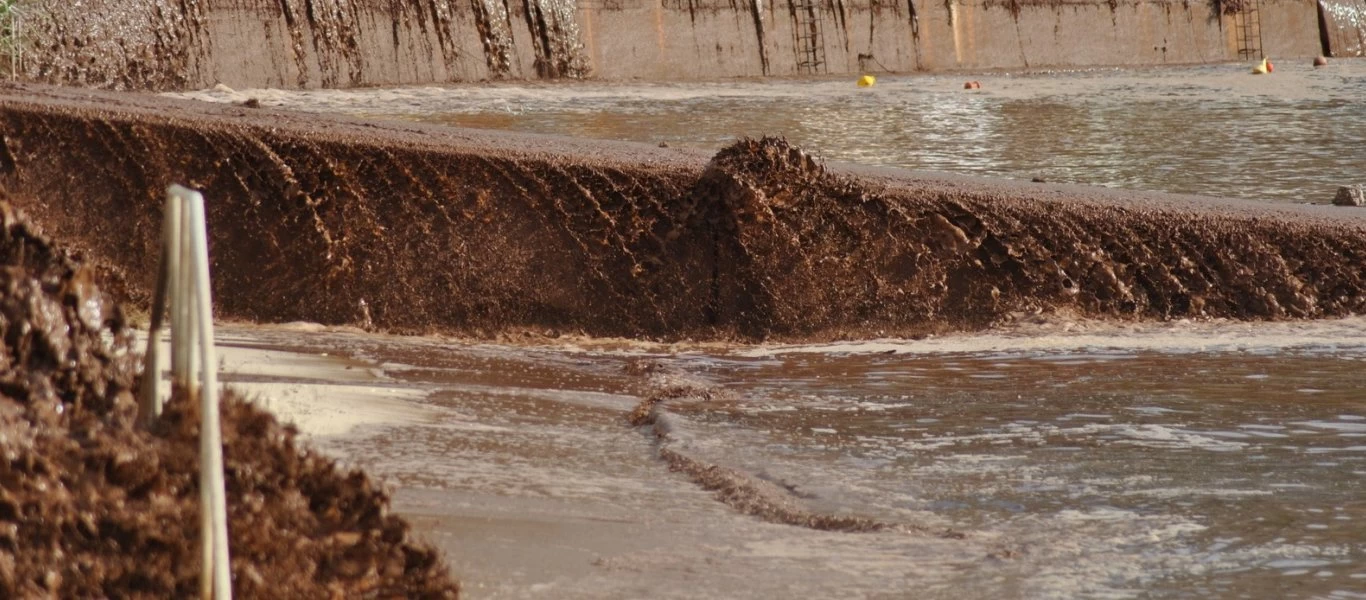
x: 418, y: 228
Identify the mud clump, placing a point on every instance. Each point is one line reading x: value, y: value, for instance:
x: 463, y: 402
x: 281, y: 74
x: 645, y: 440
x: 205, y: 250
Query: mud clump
x: 772, y: 209
x: 802, y: 251
x: 93, y: 506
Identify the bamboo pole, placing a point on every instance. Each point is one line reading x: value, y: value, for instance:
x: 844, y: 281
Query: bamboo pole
x: 184, y: 283
x: 173, y: 289
x: 183, y: 301
x: 210, y: 434
x: 149, y: 396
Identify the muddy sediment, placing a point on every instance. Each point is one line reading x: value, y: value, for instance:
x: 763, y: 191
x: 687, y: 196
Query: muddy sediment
x: 756, y: 495
x: 740, y: 491
x: 93, y: 506
x: 422, y: 228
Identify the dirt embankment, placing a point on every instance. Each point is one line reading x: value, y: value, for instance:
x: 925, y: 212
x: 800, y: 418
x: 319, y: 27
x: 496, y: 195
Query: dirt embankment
x: 93, y: 506
x: 417, y: 228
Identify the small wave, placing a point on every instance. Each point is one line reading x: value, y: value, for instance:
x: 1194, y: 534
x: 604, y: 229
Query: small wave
x: 749, y: 494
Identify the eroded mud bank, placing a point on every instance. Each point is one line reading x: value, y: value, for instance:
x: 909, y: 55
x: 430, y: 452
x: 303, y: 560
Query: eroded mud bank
x: 409, y: 227
x: 92, y: 505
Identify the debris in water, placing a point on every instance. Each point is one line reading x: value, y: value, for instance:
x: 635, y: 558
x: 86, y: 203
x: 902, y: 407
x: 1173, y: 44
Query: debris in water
x: 1350, y: 195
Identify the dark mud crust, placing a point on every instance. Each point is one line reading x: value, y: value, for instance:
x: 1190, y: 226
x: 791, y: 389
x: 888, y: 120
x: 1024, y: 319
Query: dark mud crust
x: 92, y: 506
x: 482, y: 233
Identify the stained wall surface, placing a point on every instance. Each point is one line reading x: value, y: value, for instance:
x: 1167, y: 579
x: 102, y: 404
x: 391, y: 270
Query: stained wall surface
x: 347, y: 43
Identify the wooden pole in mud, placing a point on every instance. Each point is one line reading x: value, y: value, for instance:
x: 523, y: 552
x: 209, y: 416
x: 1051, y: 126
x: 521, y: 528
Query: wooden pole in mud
x: 184, y: 282
x: 184, y: 300
x: 149, y: 395
x: 210, y: 433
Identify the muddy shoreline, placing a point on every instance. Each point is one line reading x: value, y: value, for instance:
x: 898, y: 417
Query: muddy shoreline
x: 411, y: 228
x: 94, y: 505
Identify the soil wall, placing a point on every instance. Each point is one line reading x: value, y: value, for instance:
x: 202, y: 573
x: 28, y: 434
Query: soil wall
x: 416, y: 228
x: 343, y: 43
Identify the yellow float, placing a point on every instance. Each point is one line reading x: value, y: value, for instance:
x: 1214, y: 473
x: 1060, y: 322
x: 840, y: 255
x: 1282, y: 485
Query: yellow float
x: 867, y: 81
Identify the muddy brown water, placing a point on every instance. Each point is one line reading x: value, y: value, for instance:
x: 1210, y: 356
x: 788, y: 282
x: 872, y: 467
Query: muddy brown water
x: 1169, y: 461
x: 1190, y: 459
x: 1211, y: 130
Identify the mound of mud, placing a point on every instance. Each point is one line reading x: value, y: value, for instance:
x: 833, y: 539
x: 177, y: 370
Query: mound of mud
x: 801, y: 250
x: 407, y: 227
x: 92, y: 506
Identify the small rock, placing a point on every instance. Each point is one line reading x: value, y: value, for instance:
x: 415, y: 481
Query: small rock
x: 1351, y: 195
x: 1039, y: 180
x: 346, y: 538
x: 664, y: 144
x: 1320, y: 61
x: 251, y: 103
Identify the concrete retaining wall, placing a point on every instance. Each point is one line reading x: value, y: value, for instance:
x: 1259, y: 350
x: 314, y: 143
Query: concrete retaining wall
x: 342, y: 43
x: 715, y: 41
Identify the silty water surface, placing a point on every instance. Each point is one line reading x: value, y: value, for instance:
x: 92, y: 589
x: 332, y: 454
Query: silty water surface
x: 1163, y: 461
x: 1294, y: 135
x: 1182, y: 461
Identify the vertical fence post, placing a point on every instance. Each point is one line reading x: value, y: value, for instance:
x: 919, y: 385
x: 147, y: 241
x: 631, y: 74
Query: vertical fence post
x: 210, y: 433
x: 149, y: 396
x: 185, y: 303
x: 183, y: 282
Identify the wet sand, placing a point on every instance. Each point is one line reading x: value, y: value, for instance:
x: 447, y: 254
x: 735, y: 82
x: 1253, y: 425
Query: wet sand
x: 414, y: 228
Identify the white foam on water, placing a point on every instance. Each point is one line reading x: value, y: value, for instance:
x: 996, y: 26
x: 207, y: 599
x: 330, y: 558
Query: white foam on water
x: 1353, y: 427
x: 1296, y: 563
x: 320, y: 394
x: 1194, y: 492
x: 327, y: 410
x: 1112, y: 341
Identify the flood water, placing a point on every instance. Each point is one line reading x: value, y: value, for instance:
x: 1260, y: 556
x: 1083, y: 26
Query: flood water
x: 1294, y: 135
x: 1176, y: 460
x: 1164, y: 461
